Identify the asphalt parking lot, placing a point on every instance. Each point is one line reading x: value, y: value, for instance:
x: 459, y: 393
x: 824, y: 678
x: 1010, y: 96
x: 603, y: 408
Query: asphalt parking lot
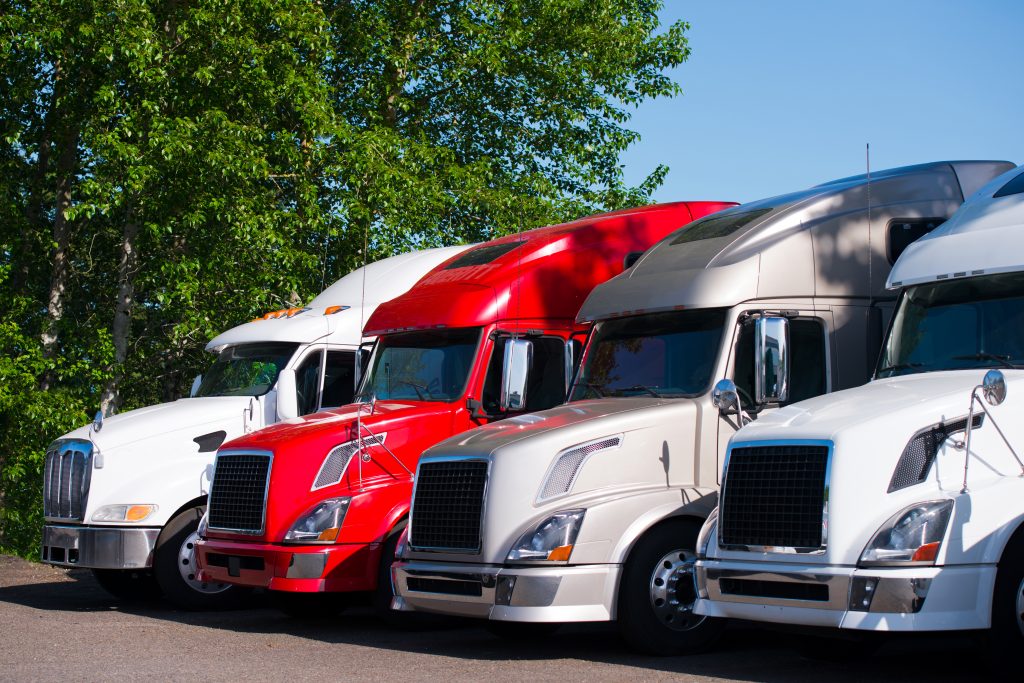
x: 59, y: 625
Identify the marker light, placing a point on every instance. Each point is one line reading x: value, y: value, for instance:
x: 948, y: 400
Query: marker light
x: 331, y: 310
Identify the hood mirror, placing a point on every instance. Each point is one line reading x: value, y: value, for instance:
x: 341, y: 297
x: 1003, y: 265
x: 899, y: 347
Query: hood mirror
x: 196, y: 383
x: 771, y: 360
x: 514, y: 373
x: 724, y: 396
x: 993, y: 387
x: 97, y: 422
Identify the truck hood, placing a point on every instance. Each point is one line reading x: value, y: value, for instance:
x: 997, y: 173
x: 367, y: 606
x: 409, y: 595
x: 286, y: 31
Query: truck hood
x: 184, y: 419
x: 869, y: 428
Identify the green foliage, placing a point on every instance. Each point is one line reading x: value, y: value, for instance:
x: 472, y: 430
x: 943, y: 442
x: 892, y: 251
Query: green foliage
x: 243, y: 150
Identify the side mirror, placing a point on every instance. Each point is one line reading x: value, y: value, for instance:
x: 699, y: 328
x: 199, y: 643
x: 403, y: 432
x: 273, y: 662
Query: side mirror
x: 514, y: 373
x: 725, y: 397
x: 771, y: 360
x: 287, y: 398
x: 195, y: 386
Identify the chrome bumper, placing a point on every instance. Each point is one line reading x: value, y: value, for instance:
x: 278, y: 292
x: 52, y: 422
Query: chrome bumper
x: 527, y: 594
x: 99, y: 547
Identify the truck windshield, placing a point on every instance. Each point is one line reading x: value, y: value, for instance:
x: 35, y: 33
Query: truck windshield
x: 421, y: 366
x: 657, y: 354
x: 246, y: 369
x: 970, y: 323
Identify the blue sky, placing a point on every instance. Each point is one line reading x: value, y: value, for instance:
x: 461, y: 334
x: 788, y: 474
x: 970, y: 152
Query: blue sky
x: 782, y: 95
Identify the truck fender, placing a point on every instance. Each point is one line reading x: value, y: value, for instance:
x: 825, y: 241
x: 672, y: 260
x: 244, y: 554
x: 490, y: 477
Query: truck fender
x: 696, y: 510
x: 174, y: 523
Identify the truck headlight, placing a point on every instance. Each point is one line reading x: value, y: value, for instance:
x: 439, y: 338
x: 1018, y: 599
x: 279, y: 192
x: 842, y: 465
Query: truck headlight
x: 706, y: 532
x: 551, y: 540
x: 912, y: 536
x: 132, y: 513
x: 321, y: 523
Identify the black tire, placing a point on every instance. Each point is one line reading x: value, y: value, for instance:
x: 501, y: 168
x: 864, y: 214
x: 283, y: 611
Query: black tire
x: 174, y: 568
x: 309, y: 605
x: 385, y: 591
x: 1006, y: 635
x: 520, y: 631
x: 129, y: 585
x: 656, y: 618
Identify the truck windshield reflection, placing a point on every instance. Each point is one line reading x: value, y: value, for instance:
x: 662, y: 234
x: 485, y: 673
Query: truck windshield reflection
x: 421, y: 366
x: 962, y: 324
x: 246, y: 369
x: 657, y: 354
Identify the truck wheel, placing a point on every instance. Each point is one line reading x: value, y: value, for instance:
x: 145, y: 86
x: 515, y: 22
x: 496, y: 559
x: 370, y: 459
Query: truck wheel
x: 657, y: 592
x: 129, y: 585
x: 174, y: 565
x: 1007, y: 632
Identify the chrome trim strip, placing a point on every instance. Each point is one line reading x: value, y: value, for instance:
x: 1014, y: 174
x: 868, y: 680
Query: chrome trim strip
x: 266, y: 487
x: 820, y: 550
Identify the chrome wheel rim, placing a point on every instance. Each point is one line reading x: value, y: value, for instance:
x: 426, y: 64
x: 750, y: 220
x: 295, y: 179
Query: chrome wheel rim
x: 188, y: 569
x: 1019, y: 612
x: 673, y: 590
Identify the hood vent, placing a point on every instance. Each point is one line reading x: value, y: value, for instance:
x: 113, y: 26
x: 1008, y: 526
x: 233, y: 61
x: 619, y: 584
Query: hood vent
x: 919, y: 454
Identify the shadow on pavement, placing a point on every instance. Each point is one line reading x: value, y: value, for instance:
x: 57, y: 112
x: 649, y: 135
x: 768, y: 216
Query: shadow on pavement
x: 746, y: 652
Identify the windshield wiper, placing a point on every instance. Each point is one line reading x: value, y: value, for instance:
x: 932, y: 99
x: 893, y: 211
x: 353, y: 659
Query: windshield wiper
x: 418, y: 388
x: 899, y: 366
x: 596, y: 388
x: 641, y: 387
x: 1001, y: 359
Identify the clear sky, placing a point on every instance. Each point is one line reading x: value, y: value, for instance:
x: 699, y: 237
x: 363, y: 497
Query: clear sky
x: 782, y: 95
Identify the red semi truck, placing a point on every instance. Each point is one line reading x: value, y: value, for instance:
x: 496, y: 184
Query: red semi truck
x: 315, y: 504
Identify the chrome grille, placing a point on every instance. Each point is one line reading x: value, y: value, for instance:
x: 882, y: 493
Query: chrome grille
x: 774, y: 496
x: 66, y: 475
x: 447, y: 505
x: 238, y: 495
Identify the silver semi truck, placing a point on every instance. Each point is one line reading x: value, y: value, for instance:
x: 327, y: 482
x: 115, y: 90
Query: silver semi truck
x: 590, y: 511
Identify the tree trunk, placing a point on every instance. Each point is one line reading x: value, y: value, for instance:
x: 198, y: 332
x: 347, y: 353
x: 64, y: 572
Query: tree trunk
x: 66, y: 163
x: 127, y: 268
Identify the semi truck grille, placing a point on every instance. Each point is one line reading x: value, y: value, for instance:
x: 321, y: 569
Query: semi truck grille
x: 447, y: 508
x: 66, y: 475
x: 238, y: 496
x: 774, y: 496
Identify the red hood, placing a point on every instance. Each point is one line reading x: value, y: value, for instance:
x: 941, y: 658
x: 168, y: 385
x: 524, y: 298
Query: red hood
x: 300, y: 446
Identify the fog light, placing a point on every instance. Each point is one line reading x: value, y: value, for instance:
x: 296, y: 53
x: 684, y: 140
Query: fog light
x: 503, y: 593
x: 862, y: 592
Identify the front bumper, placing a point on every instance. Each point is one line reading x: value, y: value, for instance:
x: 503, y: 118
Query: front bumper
x: 338, y: 568
x: 99, y: 547
x: 527, y: 594
x: 870, y: 599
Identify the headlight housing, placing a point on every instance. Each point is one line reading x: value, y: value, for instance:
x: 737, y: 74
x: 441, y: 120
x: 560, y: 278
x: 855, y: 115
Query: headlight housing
x: 321, y: 523
x: 913, y: 536
x: 550, y: 541
x: 706, y: 532
x: 133, y: 513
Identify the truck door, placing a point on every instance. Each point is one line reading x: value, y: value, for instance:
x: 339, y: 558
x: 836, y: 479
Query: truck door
x: 809, y: 369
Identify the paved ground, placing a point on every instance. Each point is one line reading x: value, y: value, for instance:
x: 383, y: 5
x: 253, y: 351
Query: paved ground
x: 61, y: 626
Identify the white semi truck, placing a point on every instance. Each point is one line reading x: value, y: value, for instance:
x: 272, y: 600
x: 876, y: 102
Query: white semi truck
x: 590, y: 511
x: 124, y: 495
x: 897, y: 506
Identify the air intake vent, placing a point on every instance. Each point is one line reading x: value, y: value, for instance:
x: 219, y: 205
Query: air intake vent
x: 448, y: 504
x: 338, y: 459
x: 919, y: 454
x: 774, y: 496
x: 238, y: 496
x: 563, y: 473
x: 66, y: 476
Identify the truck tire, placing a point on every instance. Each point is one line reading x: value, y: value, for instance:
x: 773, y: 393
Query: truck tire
x: 657, y: 592
x: 1006, y: 634
x: 130, y: 585
x: 174, y: 566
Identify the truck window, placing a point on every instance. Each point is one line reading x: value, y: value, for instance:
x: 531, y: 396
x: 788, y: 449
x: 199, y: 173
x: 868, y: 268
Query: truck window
x: 546, y: 384
x: 307, y: 382
x: 807, y: 366
x: 422, y: 366
x: 966, y: 323
x: 339, y: 379
x: 902, y: 232
x: 246, y: 369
